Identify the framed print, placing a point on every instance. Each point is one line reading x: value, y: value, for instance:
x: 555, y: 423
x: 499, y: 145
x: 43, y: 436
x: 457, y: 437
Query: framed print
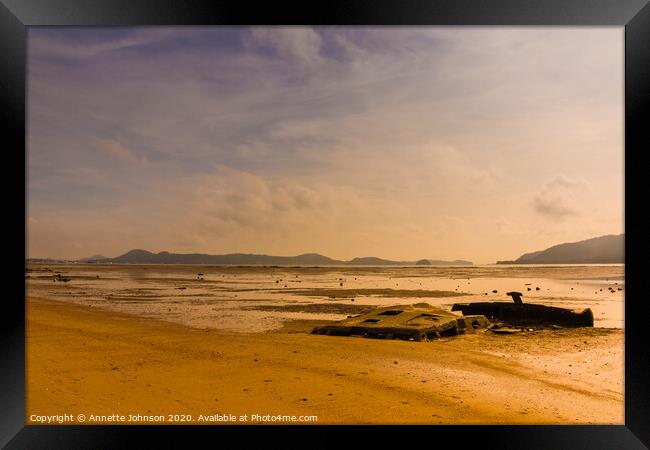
x: 311, y: 219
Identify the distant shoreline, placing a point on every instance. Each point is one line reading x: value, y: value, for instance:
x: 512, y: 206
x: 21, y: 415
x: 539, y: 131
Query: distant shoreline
x: 307, y: 266
x: 513, y: 264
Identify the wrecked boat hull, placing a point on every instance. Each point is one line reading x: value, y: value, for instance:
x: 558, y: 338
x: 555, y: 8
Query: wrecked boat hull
x: 420, y: 322
x: 527, y: 314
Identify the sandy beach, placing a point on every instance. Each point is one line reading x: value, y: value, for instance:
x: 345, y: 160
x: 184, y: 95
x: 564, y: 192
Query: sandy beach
x: 85, y: 360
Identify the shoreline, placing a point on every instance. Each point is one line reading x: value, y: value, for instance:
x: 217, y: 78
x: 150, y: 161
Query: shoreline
x: 87, y: 360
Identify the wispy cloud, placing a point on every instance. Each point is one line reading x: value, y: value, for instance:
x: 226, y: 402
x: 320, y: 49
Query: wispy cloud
x: 297, y: 45
x: 82, y: 44
x: 119, y: 152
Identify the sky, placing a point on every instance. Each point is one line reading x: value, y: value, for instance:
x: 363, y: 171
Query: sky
x: 475, y: 143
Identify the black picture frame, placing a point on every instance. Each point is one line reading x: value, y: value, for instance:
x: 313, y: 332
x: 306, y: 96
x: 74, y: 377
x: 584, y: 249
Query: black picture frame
x: 16, y: 15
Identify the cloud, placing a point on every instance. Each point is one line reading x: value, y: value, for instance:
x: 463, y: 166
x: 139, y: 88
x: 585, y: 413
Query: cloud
x: 298, y: 129
x: 453, y: 167
x: 559, y: 198
x: 83, y: 46
x: 350, y: 50
x: 562, y: 182
x: 297, y: 44
x: 554, y: 207
x: 119, y: 152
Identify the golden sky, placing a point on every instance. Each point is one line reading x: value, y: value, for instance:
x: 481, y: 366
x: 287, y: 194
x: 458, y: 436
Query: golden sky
x: 476, y: 143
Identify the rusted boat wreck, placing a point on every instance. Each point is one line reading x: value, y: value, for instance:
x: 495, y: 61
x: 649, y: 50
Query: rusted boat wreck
x: 526, y: 314
x: 419, y: 322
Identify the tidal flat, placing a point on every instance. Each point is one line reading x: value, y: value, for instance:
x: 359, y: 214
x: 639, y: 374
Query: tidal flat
x: 234, y: 341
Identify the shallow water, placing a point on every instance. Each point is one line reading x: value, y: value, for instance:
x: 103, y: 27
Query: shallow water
x: 256, y: 299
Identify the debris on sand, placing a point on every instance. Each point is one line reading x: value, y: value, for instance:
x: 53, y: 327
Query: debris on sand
x: 59, y: 277
x: 506, y: 330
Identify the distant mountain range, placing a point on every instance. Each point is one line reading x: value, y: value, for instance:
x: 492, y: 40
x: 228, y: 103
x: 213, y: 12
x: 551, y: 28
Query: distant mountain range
x: 608, y: 249
x: 242, y: 259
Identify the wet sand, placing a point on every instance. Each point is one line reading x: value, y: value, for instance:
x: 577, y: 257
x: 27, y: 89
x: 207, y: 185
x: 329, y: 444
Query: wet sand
x: 261, y: 299
x: 86, y: 360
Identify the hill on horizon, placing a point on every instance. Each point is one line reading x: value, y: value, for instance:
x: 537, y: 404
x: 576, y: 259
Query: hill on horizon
x: 608, y: 249
x: 140, y: 256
